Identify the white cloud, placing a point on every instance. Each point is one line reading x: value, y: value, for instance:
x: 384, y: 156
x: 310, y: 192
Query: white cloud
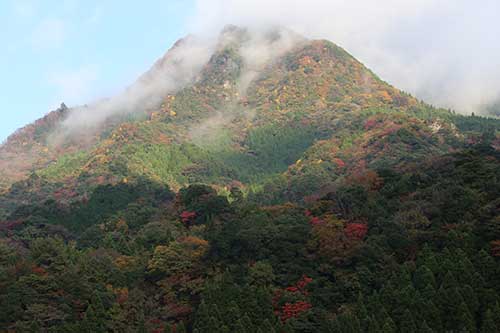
x: 445, y: 51
x: 75, y: 86
x: 170, y: 73
x: 49, y: 33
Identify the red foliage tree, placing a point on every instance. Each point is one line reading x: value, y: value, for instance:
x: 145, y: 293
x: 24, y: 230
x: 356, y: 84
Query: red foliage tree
x: 303, y: 282
x: 495, y: 248
x: 289, y: 309
x: 187, y: 217
x: 370, y: 123
x: 293, y: 310
x: 340, y: 163
x: 356, y: 230
x: 316, y: 221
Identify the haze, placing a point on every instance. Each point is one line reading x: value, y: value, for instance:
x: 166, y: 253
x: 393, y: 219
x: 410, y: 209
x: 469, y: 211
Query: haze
x: 444, y: 52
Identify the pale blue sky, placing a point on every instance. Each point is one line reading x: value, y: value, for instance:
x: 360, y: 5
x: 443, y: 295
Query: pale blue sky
x: 78, y: 50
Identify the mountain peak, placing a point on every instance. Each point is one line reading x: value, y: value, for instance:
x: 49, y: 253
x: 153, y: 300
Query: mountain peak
x: 201, y: 91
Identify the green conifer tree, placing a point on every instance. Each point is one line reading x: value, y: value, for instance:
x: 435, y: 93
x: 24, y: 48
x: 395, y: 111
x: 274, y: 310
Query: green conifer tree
x: 247, y: 323
x: 213, y: 326
x: 488, y: 324
x: 349, y: 323
x: 432, y: 316
x: 238, y: 327
x: 407, y: 322
x: 424, y: 328
x: 288, y: 328
x: 429, y: 292
x: 486, y: 265
x: 202, y: 316
x: 362, y: 313
x: 389, y: 326
x: 267, y: 327
x: 470, y: 297
x: 167, y: 328
x: 423, y: 277
x: 465, y: 318
x: 373, y: 326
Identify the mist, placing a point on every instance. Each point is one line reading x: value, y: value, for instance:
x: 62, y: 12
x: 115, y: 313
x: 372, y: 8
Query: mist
x: 442, y: 51
x: 176, y: 69
x: 179, y: 67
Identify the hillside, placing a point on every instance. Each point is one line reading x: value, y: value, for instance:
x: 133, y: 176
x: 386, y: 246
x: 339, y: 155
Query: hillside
x: 278, y: 186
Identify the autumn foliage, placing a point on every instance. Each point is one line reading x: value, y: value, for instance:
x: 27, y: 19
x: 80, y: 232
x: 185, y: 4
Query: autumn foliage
x: 187, y: 217
x: 495, y: 248
x: 293, y: 310
x: 356, y: 230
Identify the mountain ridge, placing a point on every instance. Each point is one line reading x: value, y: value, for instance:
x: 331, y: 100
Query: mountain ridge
x: 283, y: 187
x: 307, y: 83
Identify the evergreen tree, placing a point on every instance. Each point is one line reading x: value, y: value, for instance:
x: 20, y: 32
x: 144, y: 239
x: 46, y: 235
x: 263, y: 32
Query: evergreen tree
x: 141, y: 322
x: 34, y: 327
x: 202, y: 316
x: 464, y: 318
x: 233, y: 314
x: 424, y: 328
x: 428, y: 258
x: 496, y: 314
x: 485, y: 265
x: 335, y: 325
x: 429, y: 292
x: 382, y: 314
x: 449, y: 302
x: 213, y: 326
x: 141, y: 327
x: 449, y: 281
x: 267, y: 327
x: 287, y: 328
x: 465, y: 268
x: 247, y: 323
x: 478, y: 282
x: 403, y: 277
x: 238, y: 327
x: 470, y: 298
x: 180, y: 328
x: 349, y: 323
x: 424, y: 277
x: 94, y: 319
x: 215, y: 313
x: 407, y: 322
x: 264, y: 304
x: 432, y: 316
x: 408, y: 296
x: 389, y: 326
x: 373, y: 326
x: 489, y: 325
x: 362, y: 313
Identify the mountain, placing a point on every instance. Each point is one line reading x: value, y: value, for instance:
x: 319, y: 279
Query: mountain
x: 262, y: 181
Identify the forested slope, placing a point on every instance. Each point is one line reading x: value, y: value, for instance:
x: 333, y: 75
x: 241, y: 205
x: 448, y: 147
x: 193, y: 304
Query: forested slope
x: 303, y: 194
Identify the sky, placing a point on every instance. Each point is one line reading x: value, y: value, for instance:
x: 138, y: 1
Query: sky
x: 77, y: 51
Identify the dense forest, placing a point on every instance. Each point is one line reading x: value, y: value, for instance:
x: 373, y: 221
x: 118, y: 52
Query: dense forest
x: 322, y: 200
x: 411, y: 252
